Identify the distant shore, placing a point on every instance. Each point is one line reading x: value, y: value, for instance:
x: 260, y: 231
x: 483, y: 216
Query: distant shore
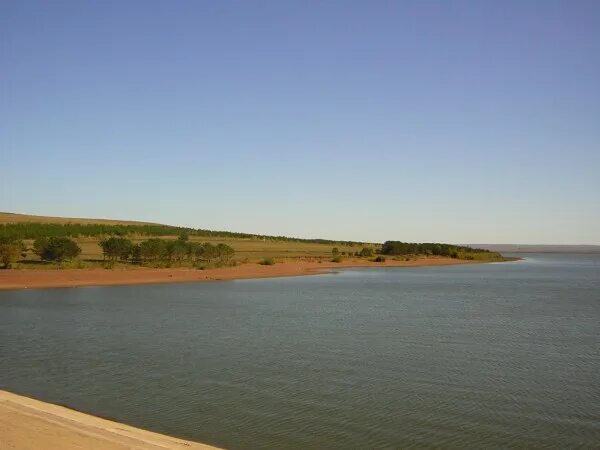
x: 53, y: 278
x: 28, y: 424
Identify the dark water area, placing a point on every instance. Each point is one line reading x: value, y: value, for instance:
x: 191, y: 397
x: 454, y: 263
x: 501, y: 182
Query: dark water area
x: 500, y: 355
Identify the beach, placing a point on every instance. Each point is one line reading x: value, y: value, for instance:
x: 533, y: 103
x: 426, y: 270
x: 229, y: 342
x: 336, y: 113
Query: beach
x: 28, y: 424
x: 55, y: 278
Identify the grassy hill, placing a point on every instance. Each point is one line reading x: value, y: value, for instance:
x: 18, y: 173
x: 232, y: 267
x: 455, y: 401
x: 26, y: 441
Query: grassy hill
x: 247, y: 246
x: 7, y: 217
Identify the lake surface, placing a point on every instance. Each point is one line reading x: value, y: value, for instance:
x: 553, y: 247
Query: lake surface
x: 478, y: 356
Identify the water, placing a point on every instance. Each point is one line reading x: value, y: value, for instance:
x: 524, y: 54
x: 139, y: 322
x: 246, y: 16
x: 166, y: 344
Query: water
x: 478, y: 356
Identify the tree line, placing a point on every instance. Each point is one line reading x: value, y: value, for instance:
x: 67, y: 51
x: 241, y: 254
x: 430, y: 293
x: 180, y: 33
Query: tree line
x: 163, y: 250
x: 34, y: 230
x: 56, y: 249
x: 399, y: 248
x: 116, y: 248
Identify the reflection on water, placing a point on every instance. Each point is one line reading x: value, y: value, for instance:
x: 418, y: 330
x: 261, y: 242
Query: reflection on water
x: 495, y: 355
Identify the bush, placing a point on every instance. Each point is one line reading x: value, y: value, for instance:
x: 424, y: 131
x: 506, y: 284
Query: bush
x: 267, y: 262
x: 337, y: 259
x: 379, y: 259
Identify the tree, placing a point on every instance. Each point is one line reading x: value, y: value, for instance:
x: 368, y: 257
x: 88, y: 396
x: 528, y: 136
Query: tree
x: 116, y: 247
x: 224, y: 252
x: 335, y: 251
x: 10, y: 251
x: 152, y: 249
x: 176, y: 250
x: 366, y: 251
x: 136, y: 254
x: 209, y: 252
x: 39, y: 245
x: 60, y: 249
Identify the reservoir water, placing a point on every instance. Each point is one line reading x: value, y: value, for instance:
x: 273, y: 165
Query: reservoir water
x: 477, y: 356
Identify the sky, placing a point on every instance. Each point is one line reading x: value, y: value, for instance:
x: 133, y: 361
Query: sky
x: 445, y: 121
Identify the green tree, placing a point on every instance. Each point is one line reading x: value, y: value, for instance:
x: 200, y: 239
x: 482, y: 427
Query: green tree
x: 176, y: 250
x: 115, y: 248
x: 366, y: 251
x: 335, y: 251
x: 136, y: 254
x: 10, y: 251
x: 39, y: 245
x: 224, y: 252
x: 60, y: 249
x: 209, y: 252
x: 152, y: 249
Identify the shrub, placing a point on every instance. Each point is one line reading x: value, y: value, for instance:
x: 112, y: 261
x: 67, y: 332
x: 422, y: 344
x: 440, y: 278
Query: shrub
x: 267, y: 262
x: 379, y: 259
x: 337, y: 259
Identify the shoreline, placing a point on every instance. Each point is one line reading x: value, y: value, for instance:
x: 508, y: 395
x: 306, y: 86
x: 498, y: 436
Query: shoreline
x: 17, y: 279
x: 29, y: 424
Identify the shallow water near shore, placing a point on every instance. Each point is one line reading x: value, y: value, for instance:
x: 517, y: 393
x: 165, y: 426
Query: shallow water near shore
x: 477, y: 356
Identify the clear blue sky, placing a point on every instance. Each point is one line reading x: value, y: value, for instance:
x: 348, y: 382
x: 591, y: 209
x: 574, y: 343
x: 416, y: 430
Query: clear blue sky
x: 419, y: 121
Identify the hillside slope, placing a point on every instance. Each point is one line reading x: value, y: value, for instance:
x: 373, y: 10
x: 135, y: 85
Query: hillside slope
x: 7, y: 217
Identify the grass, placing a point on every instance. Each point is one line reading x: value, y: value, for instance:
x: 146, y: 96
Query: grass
x: 247, y: 250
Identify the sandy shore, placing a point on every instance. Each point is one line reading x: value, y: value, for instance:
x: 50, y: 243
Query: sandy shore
x: 27, y: 424
x: 30, y: 279
x: 39, y: 278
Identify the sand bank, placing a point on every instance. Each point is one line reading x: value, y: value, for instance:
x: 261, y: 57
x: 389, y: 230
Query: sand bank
x: 29, y: 279
x: 27, y: 424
